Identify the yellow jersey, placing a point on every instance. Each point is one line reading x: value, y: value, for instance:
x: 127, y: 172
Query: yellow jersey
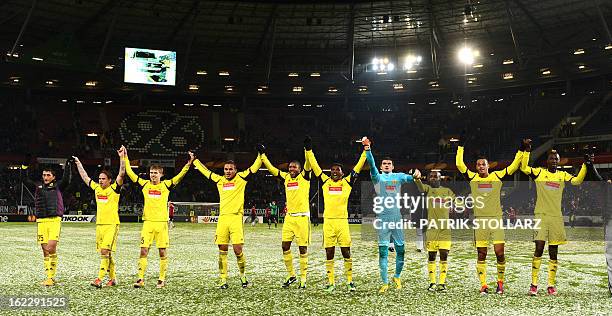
x: 486, y: 191
x: 437, y: 200
x: 231, y: 191
x: 549, y: 187
x: 336, y: 193
x: 155, y: 195
x: 297, y: 190
x: 107, y: 202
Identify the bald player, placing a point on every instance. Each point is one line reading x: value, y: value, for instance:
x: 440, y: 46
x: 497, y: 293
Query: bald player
x: 336, y: 191
x: 297, y: 221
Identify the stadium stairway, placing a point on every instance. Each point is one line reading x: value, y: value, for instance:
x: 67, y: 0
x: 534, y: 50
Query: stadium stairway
x: 601, y: 107
x: 589, y: 106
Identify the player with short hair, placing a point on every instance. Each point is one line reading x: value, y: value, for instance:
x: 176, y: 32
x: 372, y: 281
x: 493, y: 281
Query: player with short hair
x: 49, y: 209
x: 486, y: 188
x: 438, y: 238
x: 297, y: 224
x: 231, y: 187
x: 336, y: 191
x: 388, y: 184
x: 549, y: 183
x: 155, y: 215
x: 107, y: 195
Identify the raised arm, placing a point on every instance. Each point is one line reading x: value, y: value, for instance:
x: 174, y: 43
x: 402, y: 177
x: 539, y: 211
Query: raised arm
x: 525, y: 168
x: 81, y: 170
x: 461, y: 164
x: 207, y: 173
x: 420, y: 186
x: 307, y: 168
x: 67, y: 177
x: 130, y: 173
x: 577, y: 180
x: 591, y: 170
x: 121, y: 173
x: 516, y: 163
x: 252, y: 169
x: 360, y: 163
x: 184, y: 171
x: 374, y: 174
x: 316, y: 169
x: 273, y: 170
x: 518, y: 159
x: 351, y: 178
x: 311, y: 160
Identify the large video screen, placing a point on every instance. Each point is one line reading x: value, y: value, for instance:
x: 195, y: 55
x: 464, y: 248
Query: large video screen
x: 150, y: 66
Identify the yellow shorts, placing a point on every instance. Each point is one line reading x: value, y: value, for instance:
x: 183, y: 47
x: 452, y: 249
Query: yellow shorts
x: 336, y: 232
x: 484, y: 234
x: 229, y: 230
x: 49, y: 229
x: 552, y: 230
x: 154, y: 231
x: 438, y: 239
x: 297, y: 227
x: 106, y: 236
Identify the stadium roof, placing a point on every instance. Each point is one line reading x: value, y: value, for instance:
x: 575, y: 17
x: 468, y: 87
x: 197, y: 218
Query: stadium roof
x: 263, y: 41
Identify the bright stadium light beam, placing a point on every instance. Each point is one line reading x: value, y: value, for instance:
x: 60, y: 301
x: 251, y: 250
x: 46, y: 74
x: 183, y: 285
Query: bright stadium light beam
x: 412, y: 62
x: 467, y: 55
x: 381, y: 65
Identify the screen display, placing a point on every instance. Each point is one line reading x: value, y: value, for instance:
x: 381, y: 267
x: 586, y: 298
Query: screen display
x: 150, y: 66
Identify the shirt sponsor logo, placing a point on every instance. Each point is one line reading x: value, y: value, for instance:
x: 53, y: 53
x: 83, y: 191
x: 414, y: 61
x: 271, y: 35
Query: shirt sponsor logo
x: 102, y: 198
x: 229, y: 186
x: 155, y: 194
x: 553, y: 185
x: 335, y: 190
x: 485, y: 187
x: 291, y: 186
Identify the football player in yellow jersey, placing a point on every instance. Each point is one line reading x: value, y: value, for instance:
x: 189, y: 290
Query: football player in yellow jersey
x: 297, y: 220
x: 107, y: 217
x: 486, y: 191
x: 438, y: 238
x: 231, y: 187
x: 155, y: 215
x: 549, y: 183
x: 336, y: 192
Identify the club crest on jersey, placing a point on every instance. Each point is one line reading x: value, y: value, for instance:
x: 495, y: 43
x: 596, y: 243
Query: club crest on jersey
x: 229, y: 186
x: 102, y: 198
x: 390, y: 188
x: 552, y: 185
x: 485, y: 187
x: 291, y: 186
x: 155, y: 194
x: 335, y: 190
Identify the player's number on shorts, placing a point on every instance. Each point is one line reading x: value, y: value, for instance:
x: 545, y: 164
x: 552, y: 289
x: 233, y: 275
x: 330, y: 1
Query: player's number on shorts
x: 142, y: 240
x: 40, y: 237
